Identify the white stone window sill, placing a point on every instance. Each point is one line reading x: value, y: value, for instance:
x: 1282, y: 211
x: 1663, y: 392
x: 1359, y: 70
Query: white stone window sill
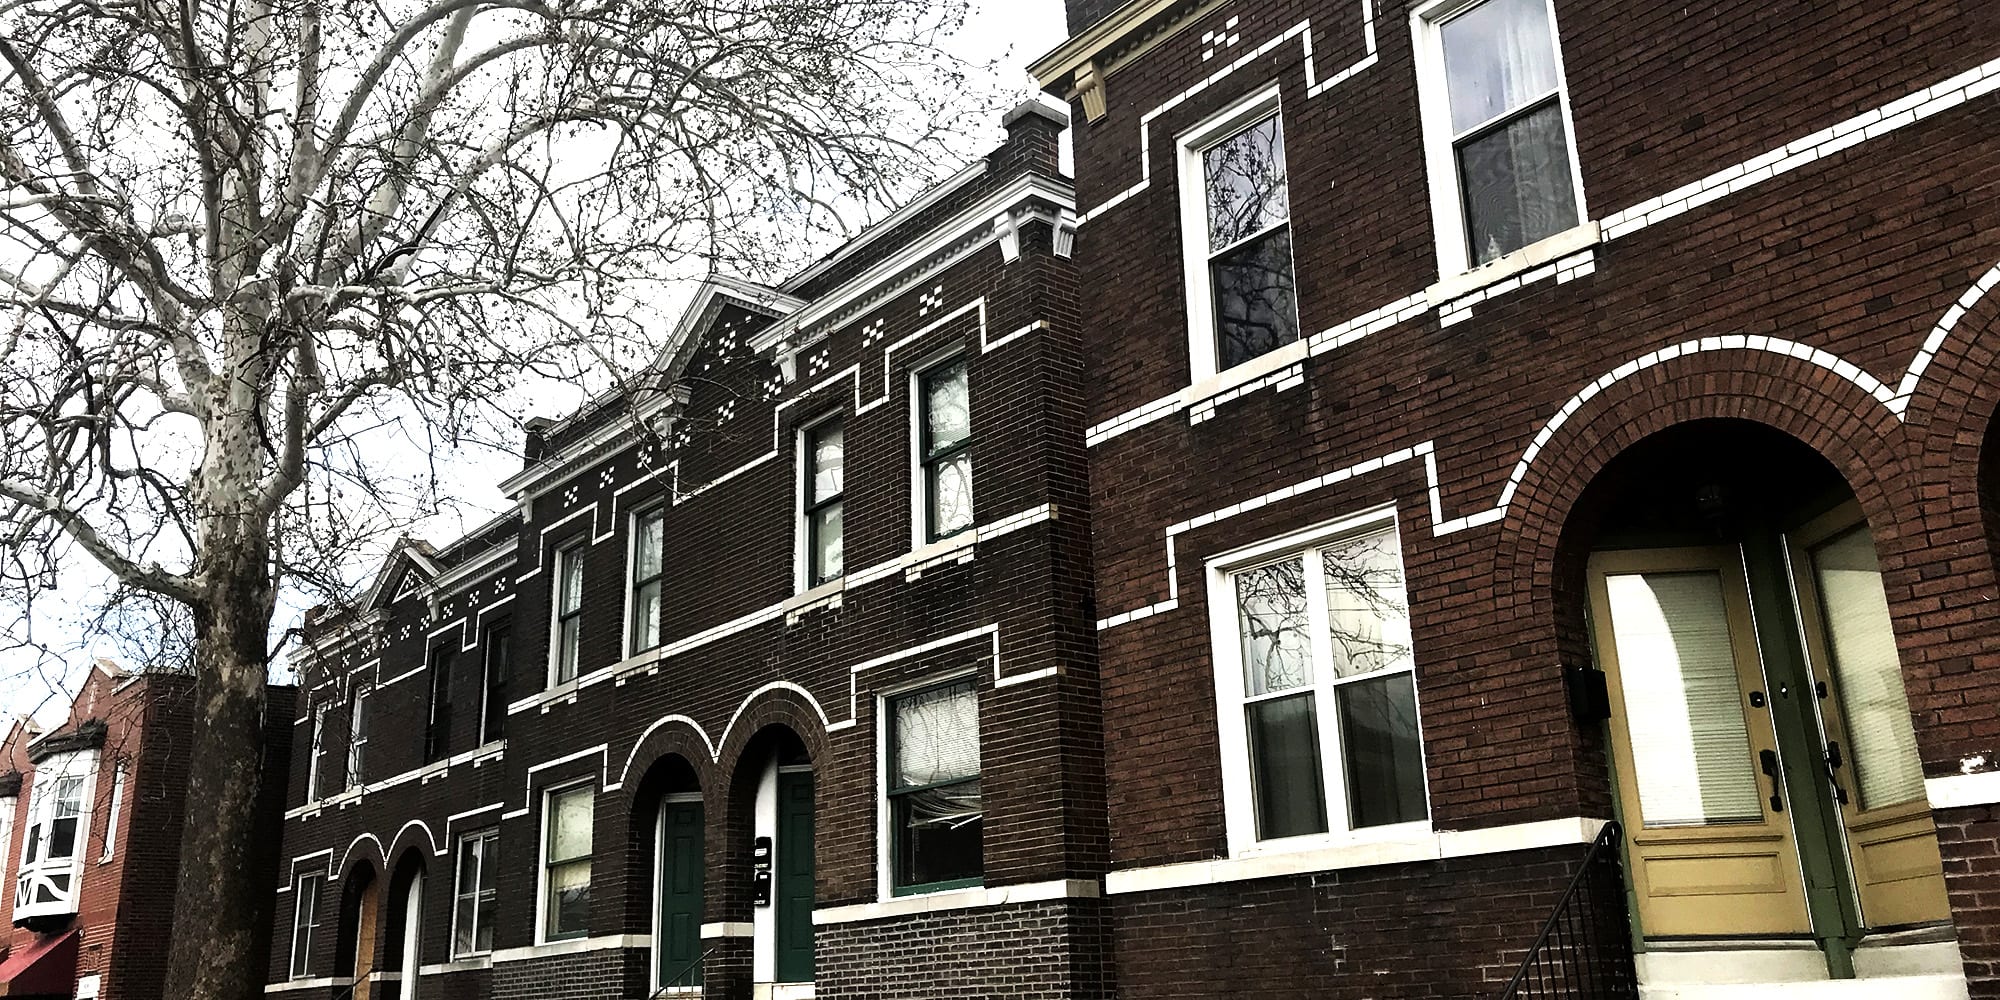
x: 1249, y: 371
x: 957, y: 899
x: 464, y: 963
x: 1499, y: 269
x: 826, y: 595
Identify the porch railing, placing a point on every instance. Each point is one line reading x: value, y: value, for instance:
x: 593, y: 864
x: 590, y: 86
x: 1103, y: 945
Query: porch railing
x: 1585, y: 947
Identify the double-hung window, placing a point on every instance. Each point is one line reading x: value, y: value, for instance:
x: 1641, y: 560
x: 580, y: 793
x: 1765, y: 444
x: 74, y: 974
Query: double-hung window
x: 648, y: 577
x: 1503, y: 174
x: 50, y: 871
x: 315, y: 762
x: 824, y: 486
x: 936, y: 826
x: 1237, y: 228
x: 1315, y: 680
x: 437, y: 725
x: 566, y: 632
x: 305, y: 920
x: 497, y: 659
x: 472, y: 912
x: 566, y: 821
x: 357, y: 735
x: 944, y: 449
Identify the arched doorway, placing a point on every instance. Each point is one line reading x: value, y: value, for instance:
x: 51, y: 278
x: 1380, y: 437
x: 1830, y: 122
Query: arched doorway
x: 355, y: 939
x: 1764, y: 762
x: 404, y: 927
x: 674, y: 830
x: 776, y: 776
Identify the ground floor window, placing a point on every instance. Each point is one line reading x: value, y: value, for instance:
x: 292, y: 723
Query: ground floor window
x: 566, y: 853
x: 936, y: 826
x: 472, y: 910
x: 1316, y: 684
x: 305, y: 920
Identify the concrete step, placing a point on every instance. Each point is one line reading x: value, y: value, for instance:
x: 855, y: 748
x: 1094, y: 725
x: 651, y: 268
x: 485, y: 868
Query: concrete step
x: 1932, y: 987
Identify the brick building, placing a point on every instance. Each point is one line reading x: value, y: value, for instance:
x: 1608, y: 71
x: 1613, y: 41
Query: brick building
x: 777, y: 682
x: 1509, y: 416
x: 91, y: 815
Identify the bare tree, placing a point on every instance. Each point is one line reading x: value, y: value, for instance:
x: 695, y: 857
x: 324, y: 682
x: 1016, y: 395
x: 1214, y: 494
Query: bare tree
x: 238, y: 238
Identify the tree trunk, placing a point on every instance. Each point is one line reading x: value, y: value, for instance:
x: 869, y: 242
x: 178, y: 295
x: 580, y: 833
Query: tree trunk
x: 222, y: 910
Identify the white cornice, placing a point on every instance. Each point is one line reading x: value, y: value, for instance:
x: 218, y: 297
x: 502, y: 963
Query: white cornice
x: 868, y: 236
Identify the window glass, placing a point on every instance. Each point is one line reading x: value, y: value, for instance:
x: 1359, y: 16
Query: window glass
x: 947, y: 459
x: 1861, y: 643
x: 567, y: 907
x: 437, y: 729
x: 827, y: 462
x: 935, y: 809
x: 357, y: 736
x: 1517, y: 183
x: 498, y: 643
x: 648, y: 569
x: 569, y: 612
x: 1500, y: 57
x: 64, y: 817
x: 1255, y: 308
x: 1329, y: 696
x: 305, y: 919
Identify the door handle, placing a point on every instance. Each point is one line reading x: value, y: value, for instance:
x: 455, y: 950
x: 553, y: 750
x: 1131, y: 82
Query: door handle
x: 1768, y: 760
x: 1833, y: 765
x: 1833, y: 754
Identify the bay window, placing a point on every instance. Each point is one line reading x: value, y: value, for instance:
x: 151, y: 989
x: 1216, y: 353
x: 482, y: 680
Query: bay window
x: 1503, y: 173
x: 1237, y: 233
x: 51, y: 866
x: 1316, y: 687
x: 936, y: 825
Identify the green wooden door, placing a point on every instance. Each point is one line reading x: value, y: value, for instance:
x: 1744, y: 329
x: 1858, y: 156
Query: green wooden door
x: 794, y: 889
x: 679, y: 945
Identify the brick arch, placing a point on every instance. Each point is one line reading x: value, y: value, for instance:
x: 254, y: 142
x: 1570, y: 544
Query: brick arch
x: 365, y: 850
x: 1955, y: 418
x: 671, y: 735
x: 1863, y: 441
x: 414, y: 835
x: 778, y: 704
x: 732, y: 808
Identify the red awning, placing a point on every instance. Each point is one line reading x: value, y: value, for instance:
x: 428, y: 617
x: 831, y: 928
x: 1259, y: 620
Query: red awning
x: 47, y: 966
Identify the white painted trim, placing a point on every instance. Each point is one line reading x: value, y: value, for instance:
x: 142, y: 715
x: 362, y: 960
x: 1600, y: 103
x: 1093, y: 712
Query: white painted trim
x: 470, y: 963
x: 1960, y: 790
x: 1574, y: 240
x: 958, y: 899
x: 727, y: 929
x: 1433, y: 99
x: 903, y: 213
x: 1436, y: 846
x: 1190, y: 146
x: 326, y: 982
x: 477, y: 756
x: 574, y: 946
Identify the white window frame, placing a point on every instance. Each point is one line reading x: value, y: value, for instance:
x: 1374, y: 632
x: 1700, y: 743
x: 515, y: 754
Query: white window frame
x: 1190, y: 147
x: 572, y: 548
x: 885, y: 858
x: 82, y: 766
x: 920, y: 484
x: 632, y: 582
x: 305, y: 903
x: 802, y: 488
x: 357, y: 742
x: 1434, y: 101
x: 315, y: 768
x: 542, y: 899
x: 1239, y: 794
x: 117, y: 807
x: 8, y: 806
x: 490, y: 838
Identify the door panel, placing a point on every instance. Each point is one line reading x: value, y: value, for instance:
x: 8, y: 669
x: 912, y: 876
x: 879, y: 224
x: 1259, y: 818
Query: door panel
x: 795, y: 887
x: 681, y: 881
x: 1710, y: 843
x: 1871, y: 750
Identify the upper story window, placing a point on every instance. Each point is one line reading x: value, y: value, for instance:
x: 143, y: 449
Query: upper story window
x: 936, y: 825
x: 472, y: 911
x: 437, y: 724
x: 7, y: 806
x: 566, y: 822
x: 117, y: 807
x: 944, y: 450
x: 648, y: 577
x: 823, y: 450
x: 566, y: 632
x: 1503, y: 169
x: 497, y: 661
x: 305, y: 920
x: 357, y: 735
x: 1315, y: 679
x: 1236, y: 216
x: 52, y: 844
x: 315, y: 760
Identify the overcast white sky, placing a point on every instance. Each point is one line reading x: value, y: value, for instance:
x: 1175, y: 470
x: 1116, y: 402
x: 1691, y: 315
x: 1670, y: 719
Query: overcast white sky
x: 1013, y: 32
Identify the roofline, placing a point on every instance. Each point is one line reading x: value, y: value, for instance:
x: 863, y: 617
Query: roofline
x: 876, y: 230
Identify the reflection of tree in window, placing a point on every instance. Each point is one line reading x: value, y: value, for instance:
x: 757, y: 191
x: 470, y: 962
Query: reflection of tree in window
x: 934, y: 792
x: 1250, y: 244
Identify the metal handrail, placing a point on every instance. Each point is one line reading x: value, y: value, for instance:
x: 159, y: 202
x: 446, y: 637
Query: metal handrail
x: 1585, y: 946
x: 670, y: 982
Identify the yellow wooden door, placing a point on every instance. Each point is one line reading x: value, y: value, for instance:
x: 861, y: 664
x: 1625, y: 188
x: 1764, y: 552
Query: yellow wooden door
x: 1871, y: 748
x: 1707, y: 831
